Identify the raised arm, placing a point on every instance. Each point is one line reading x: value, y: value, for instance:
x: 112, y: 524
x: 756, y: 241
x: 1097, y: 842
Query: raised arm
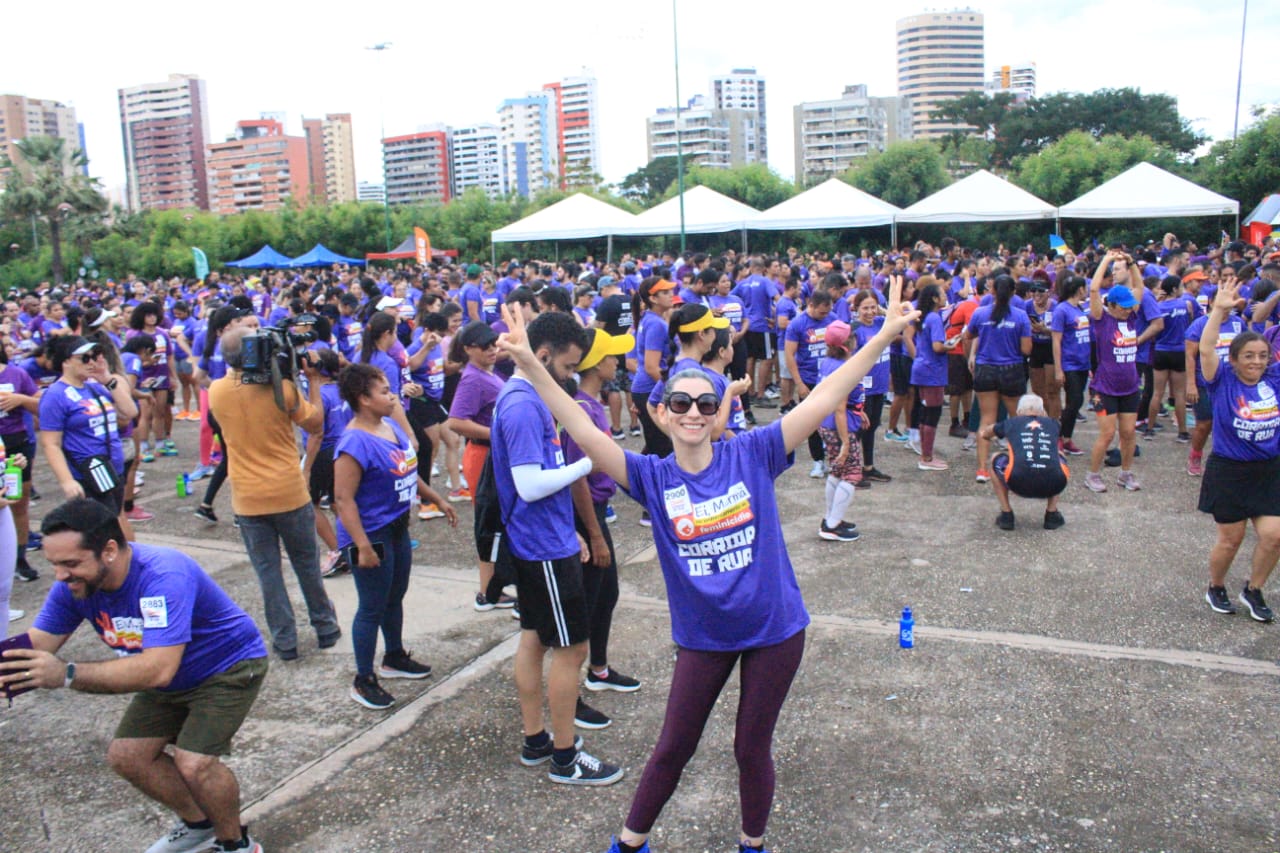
x: 1223, y: 303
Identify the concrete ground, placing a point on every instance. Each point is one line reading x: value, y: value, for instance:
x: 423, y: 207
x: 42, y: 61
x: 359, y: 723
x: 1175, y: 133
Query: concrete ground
x: 1070, y: 690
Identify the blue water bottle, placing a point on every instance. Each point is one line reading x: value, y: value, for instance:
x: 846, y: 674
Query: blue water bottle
x: 907, y: 629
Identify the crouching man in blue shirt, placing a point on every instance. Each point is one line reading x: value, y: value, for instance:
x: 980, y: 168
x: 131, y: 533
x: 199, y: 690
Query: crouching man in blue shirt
x: 193, y: 658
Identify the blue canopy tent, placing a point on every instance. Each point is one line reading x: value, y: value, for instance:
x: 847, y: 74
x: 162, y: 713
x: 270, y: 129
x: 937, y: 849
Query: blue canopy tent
x: 321, y: 256
x: 265, y: 258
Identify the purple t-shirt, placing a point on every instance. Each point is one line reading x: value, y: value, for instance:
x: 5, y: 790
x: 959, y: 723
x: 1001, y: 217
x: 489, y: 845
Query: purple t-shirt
x: 524, y: 433
x: 757, y: 294
x: 600, y: 484
x: 337, y: 414
x: 1001, y: 343
x: 430, y: 371
x: 1178, y: 314
x: 1077, y: 338
x: 1148, y: 310
x: 15, y: 380
x: 166, y: 600
x: 650, y: 336
x: 389, y: 479
x: 786, y: 307
x: 811, y: 346
x: 477, y: 391
x: 471, y: 294
x: 350, y: 333
x: 1117, y: 343
x: 1245, y: 417
x: 877, y: 379
x: 731, y: 308
x: 730, y: 583
x: 1231, y: 327
x: 87, y: 430
x: 930, y: 368
x: 395, y: 372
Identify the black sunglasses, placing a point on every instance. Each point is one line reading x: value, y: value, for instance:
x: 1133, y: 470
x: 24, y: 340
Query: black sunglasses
x: 90, y: 357
x: 679, y: 403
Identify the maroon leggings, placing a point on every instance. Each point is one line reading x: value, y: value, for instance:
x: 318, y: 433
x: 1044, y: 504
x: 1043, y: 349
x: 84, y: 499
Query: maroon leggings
x: 699, y: 677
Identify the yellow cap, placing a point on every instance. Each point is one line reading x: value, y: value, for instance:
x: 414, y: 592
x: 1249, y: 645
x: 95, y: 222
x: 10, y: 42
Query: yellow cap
x: 706, y: 321
x: 604, y: 344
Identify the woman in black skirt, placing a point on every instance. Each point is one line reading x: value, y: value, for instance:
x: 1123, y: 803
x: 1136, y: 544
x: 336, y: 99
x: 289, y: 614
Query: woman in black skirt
x: 1242, y: 477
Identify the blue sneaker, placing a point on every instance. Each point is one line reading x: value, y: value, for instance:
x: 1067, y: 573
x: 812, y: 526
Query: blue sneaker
x: 894, y: 435
x: 614, y: 848
x: 35, y: 541
x: 610, y: 516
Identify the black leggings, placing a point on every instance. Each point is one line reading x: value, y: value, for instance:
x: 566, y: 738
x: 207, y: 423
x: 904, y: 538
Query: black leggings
x: 656, y: 441
x: 1148, y: 390
x: 817, y: 452
x: 220, y: 473
x: 738, y: 369
x: 873, y: 405
x: 601, y: 588
x: 1075, y: 382
x: 699, y: 677
x: 426, y: 448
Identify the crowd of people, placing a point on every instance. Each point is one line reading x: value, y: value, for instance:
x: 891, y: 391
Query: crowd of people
x: 538, y: 393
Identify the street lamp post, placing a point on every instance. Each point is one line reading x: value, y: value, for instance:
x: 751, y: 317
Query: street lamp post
x: 382, y: 135
x: 675, y: 45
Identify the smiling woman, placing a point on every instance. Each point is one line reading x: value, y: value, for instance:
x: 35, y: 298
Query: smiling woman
x: 734, y: 599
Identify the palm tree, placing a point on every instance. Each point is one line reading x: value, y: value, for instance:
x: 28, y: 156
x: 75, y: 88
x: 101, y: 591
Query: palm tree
x: 46, y: 182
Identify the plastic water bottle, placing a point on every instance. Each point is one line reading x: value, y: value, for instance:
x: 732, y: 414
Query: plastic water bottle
x: 12, y: 482
x: 183, y: 485
x: 907, y: 629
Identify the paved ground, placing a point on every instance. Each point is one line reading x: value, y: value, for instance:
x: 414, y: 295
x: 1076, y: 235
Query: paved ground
x: 1070, y: 690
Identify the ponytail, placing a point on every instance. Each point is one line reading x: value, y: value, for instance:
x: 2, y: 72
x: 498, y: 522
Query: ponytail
x: 1004, y: 293
x: 379, y: 324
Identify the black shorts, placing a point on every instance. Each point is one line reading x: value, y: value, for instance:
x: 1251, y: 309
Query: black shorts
x: 759, y: 344
x: 1175, y: 362
x: 1041, y: 354
x: 1009, y: 380
x: 1233, y: 491
x: 552, y: 600
x: 426, y: 412
x: 18, y: 442
x: 959, y: 379
x: 900, y: 373
x: 1028, y: 484
x: 321, y: 484
x: 112, y: 500
x: 1110, y: 404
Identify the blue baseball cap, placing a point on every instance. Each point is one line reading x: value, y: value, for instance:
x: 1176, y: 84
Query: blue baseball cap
x: 1121, y: 296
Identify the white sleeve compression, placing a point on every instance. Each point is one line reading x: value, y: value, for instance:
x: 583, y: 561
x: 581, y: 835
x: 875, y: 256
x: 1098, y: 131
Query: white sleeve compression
x: 533, y: 482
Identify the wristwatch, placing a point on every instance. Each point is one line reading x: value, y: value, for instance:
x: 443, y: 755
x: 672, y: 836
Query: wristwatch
x: 71, y: 675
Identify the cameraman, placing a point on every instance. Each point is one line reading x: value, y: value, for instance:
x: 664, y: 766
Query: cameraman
x: 269, y: 494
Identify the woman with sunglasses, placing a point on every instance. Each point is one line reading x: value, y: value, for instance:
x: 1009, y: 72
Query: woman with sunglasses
x: 80, y: 417
x: 655, y: 297
x: 693, y: 327
x: 733, y: 595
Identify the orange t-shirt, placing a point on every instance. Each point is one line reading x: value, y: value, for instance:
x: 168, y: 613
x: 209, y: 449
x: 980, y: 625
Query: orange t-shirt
x: 958, y: 320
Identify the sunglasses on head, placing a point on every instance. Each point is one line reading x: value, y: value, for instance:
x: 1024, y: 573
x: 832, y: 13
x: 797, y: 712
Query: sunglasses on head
x: 679, y: 403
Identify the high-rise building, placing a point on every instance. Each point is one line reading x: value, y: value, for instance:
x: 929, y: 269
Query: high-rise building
x: 711, y: 137
x: 331, y: 165
x: 21, y: 117
x: 166, y: 129
x: 476, y: 159
x: 370, y: 192
x: 1018, y: 80
x: 940, y: 57
x: 258, y: 168
x: 528, y: 136
x: 830, y: 136
x: 577, y: 139
x: 743, y: 89
x: 416, y: 166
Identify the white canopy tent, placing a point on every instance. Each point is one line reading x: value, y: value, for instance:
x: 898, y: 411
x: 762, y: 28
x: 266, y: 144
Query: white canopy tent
x: 575, y: 218
x: 980, y: 197
x: 705, y: 212
x: 831, y: 204
x: 1148, y: 192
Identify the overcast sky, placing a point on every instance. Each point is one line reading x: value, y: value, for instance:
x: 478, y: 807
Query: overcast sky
x: 454, y: 62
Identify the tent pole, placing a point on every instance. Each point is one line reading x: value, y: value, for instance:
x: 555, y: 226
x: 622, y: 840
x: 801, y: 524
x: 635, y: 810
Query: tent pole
x: 893, y: 233
x: 608, y: 252
x: 493, y: 254
x: 744, y: 241
x: 557, y: 251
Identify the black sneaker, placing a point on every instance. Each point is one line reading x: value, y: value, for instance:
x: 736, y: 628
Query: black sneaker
x: 1148, y: 434
x: 613, y: 680
x: 750, y: 417
x: 484, y: 605
x: 1219, y: 600
x: 532, y: 756
x: 636, y: 432
x: 786, y: 407
x: 206, y: 513
x: 864, y: 483
x: 1258, y: 609
x: 1006, y: 521
x: 875, y: 475
x: 25, y: 572
x: 840, y: 533
x: 586, y: 717
x: 286, y: 654
x: 1053, y: 520
x: 366, y: 690
x: 584, y: 770
x: 645, y: 521
x: 328, y: 641
x: 401, y: 665
x: 1184, y: 438
x: 958, y: 430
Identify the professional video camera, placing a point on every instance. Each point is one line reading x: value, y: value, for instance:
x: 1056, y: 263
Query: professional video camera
x: 275, y: 353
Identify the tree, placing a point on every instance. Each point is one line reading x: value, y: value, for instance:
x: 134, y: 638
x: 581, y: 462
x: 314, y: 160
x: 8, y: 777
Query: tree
x: 902, y: 174
x: 46, y: 182
x: 1246, y: 169
x: 650, y: 182
x: 1070, y: 167
x: 976, y: 110
x: 754, y: 184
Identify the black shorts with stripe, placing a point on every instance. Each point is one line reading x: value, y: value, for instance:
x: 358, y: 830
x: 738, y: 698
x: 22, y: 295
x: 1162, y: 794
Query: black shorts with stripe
x: 552, y: 600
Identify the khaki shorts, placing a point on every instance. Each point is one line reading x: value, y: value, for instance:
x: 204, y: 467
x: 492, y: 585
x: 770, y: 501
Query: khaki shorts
x: 201, y: 720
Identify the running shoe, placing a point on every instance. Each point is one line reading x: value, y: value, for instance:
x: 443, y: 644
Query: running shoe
x: 15, y: 615
x: 636, y: 432
x: 24, y: 571
x: 138, y: 514
x: 1148, y: 434
x: 1129, y: 481
x: 1053, y: 520
x: 611, y: 680
x: 1219, y: 600
x: 139, y: 478
x: 459, y: 495
x: 402, y: 665
x: 35, y: 541
x: 913, y: 444
x: 484, y: 605
x: 840, y: 533
x: 875, y: 475
x: 586, y: 717
x: 184, y: 839
x: 168, y: 448
x: 532, y: 756
x: 772, y: 393
x: 983, y: 476
x: 894, y: 435
x: 429, y: 511
x: 1006, y: 521
x: 970, y: 442
x: 148, y: 456
x: 366, y: 691
x: 932, y: 465
x: 334, y: 564
x: 200, y: 472
x: 326, y: 502
x: 618, y: 434
x: 773, y: 387
x: 1184, y: 438
x: 243, y: 845
x: 1093, y: 482
x: 435, y: 470
x: 584, y: 770
x: 645, y: 520
x: 816, y: 472
x: 958, y: 431
x: 864, y: 483
x: 610, y: 515
x: 750, y: 417
x: 1258, y: 609
x: 615, y: 847
x: 764, y: 403
x: 1069, y: 447
x: 206, y: 513
x: 1195, y: 463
